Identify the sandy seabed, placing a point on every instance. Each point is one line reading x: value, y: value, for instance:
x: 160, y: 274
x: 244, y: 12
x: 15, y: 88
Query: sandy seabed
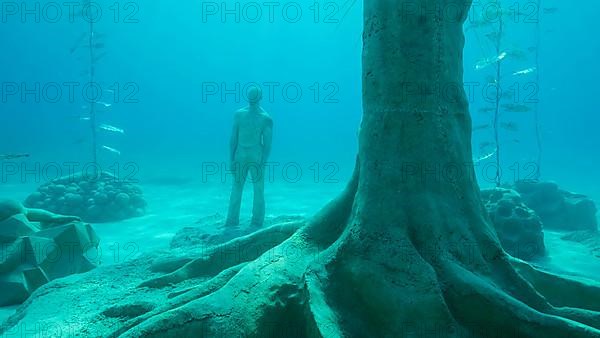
x: 172, y: 207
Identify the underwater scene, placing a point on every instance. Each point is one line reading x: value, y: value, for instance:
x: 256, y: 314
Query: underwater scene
x: 386, y: 168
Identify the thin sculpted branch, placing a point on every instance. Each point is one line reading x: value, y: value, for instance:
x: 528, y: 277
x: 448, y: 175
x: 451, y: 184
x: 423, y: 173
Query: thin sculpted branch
x: 398, y: 255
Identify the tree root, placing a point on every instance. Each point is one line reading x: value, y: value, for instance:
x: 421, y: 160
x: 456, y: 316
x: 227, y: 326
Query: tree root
x: 311, y: 283
x: 267, y: 292
x: 232, y: 253
x: 333, y: 295
x: 474, y: 299
x: 561, y: 291
x: 182, y: 297
x: 248, y: 302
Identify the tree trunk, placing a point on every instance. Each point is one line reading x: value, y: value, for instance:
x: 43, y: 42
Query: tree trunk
x: 406, y: 250
x: 418, y: 249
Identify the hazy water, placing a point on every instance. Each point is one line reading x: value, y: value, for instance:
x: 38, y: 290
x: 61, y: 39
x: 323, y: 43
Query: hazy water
x: 179, y: 71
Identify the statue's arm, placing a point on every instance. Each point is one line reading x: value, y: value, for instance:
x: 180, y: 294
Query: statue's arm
x: 267, y: 139
x: 233, y: 142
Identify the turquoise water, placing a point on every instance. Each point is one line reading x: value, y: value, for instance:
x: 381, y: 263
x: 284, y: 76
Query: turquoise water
x: 179, y: 72
x: 172, y: 75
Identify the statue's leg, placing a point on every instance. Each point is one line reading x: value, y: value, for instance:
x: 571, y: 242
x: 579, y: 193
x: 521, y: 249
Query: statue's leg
x: 240, y: 172
x: 258, y: 181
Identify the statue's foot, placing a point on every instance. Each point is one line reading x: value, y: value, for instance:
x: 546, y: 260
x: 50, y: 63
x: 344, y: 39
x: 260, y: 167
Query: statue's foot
x: 230, y: 231
x: 256, y: 223
x: 232, y: 224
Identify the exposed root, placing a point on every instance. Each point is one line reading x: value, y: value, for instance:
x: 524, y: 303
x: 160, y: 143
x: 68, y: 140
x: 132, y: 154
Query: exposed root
x: 246, y: 304
x: 310, y: 282
x: 183, y: 297
x: 561, y: 291
x: 232, y: 253
x: 206, y: 288
x: 265, y: 292
x: 476, y: 300
x: 328, y: 224
x: 324, y: 320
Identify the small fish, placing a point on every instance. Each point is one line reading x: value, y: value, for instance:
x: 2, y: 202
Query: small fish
x: 110, y: 128
x: 516, y: 141
x: 510, y: 126
x: 13, y: 156
x: 525, y: 71
x: 516, y: 108
x: 550, y: 10
x: 485, y: 157
x: 103, y: 107
x: 481, y: 127
x: 532, y: 49
x: 112, y: 150
x: 106, y: 105
x: 99, y: 45
x: 484, y: 63
x: 491, y: 79
x: 78, y: 117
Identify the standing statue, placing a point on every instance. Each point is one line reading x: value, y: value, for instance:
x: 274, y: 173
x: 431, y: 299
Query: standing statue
x: 250, y: 147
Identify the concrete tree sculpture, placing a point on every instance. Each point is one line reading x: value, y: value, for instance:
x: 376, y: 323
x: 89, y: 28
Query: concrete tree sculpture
x: 92, y: 46
x: 406, y: 248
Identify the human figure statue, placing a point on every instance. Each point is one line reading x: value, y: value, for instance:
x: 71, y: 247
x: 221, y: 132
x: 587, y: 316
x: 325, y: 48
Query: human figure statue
x: 9, y: 208
x: 249, y: 149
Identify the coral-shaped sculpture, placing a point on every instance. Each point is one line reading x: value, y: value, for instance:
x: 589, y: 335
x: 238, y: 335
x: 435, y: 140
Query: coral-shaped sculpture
x: 519, y: 228
x: 100, y: 199
x: 32, y: 256
x: 558, y: 209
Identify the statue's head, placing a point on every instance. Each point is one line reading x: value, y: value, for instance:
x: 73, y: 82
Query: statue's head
x: 254, y: 94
